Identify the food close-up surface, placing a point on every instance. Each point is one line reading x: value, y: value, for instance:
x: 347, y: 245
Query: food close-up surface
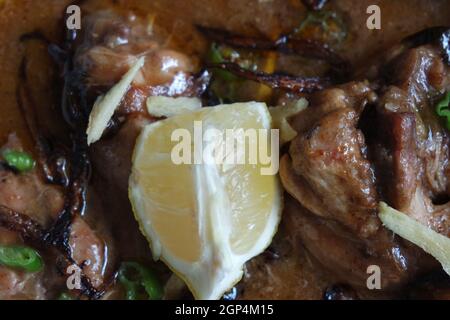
x: 224, y: 149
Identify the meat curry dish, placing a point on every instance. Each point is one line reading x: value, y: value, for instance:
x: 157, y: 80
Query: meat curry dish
x: 375, y: 130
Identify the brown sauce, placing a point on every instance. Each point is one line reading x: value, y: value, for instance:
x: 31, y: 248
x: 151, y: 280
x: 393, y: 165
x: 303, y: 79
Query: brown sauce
x: 41, y: 21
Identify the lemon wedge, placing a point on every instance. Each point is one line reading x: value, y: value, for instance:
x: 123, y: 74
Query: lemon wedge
x: 204, y: 220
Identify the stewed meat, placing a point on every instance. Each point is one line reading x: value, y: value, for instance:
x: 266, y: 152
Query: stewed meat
x: 392, y: 147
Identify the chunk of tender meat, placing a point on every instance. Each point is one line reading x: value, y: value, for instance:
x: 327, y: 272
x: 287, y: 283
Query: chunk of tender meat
x: 27, y: 193
x: 411, y: 148
x: 88, y: 251
x: 15, y: 284
x: 420, y: 72
x: 19, y: 285
x: 106, y: 66
x: 112, y: 44
x: 337, y: 179
x: 396, y: 156
x: 329, y: 173
x: 347, y: 257
x: 420, y: 77
x: 354, y: 95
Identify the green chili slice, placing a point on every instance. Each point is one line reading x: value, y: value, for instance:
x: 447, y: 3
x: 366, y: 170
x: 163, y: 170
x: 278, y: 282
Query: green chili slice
x: 24, y: 258
x: 136, y: 278
x: 443, y: 109
x: 18, y: 160
x: 219, y: 55
x: 225, y: 83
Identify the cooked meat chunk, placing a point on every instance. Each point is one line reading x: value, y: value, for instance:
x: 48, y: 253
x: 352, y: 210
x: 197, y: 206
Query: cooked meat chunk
x: 29, y: 195
x: 338, y: 180
x: 88, y: 251
x: 396, y: 155
x: 347, y: 257
x: 16, y: 284
x: 411, y: 151
x: 25, y: 193
x: 338, y: 175
x: 345, y: 254
x: 110, y: 46
x: 333, y: 177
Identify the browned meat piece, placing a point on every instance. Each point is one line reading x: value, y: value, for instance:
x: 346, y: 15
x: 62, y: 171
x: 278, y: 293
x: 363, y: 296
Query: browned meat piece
x: 354, y: 94
x: 27, y: 194
x: 110, y: 46
x: 16, y: 284
x: 330, y: 174
x: 333, y: 177
x: 345, y: 254
x: 338, y: 181
x: 411, y: 151
x: 398, y: 163
x: 88, y: 251
x: 347, y: 257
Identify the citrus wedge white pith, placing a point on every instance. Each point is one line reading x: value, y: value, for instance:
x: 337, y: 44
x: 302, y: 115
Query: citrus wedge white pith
x: 204, y: 220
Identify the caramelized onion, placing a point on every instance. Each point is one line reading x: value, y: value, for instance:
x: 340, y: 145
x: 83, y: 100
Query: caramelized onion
x: 276, y: 80
x: 286, y: 44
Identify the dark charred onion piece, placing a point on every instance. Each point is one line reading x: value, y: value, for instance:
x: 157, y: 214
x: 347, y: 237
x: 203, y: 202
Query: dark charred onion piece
x: 52, y: 162
x: 314, y: 4
x: 435, y: 35
x: 307, y: 48
x: 28, y: 229
x: 316, y: 50
x: 76, y: 112
x: 68, y: 168
x: 32, y: 232
x: 275, y: 80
